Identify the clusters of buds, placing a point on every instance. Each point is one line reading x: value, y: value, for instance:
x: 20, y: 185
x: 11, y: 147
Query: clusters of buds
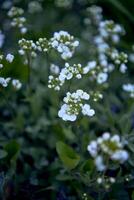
x: 73, y: 104
x: 129, y: 88
x: 54, y: 82
x: 106, y: 181
x: 43, y: 45
x: 26, y: 47
x: 2, y: 38
x: 107, y: 148
x: 18, y: 20
x: 64, y: 43
x: 119, y: 58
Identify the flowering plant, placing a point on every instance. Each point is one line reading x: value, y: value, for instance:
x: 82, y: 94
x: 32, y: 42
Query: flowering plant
x: 67, y: 101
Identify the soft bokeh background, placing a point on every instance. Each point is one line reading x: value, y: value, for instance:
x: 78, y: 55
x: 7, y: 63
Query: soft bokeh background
x: 29, y: 125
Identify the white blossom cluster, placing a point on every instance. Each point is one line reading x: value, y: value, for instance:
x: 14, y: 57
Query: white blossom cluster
x: 27, y: 46
x: 18, y: 20
x: 109, y: 30
x: 129, y: 88
x: 108, y: 36
x: 2, y: 38
x: 4, y: 82
x: 54, y: 82
x: 67, y: 73
x: 73, y: 104
x: 105, y: 148
x: 119, y: 58
x: 99, y: 73
x: 9, y: 58
x: 64, y: 43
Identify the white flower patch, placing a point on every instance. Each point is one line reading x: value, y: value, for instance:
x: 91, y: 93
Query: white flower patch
x: 10, y: 58
x: 18, y: 20
x: 54, y: 69
x: 102, y: 77
x: 4, y: 81
x: 107, y: 146
x: 73, y: 104
x: 16, y: 84
x: 129, y: 88
x: 64, y: 43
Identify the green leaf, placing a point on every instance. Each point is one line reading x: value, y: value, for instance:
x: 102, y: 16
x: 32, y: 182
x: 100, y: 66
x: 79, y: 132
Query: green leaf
x: 3, y: 154
x: 12, y: 148
x: 68, y: 156
x: 88, y: 166
x: 132, y: 195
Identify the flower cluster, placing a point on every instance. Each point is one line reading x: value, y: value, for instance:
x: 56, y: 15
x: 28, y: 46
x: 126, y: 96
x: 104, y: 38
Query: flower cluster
x: 119, y: 58
x: 64, y: 43
x: 43, y: 45
x: 4, y: 82
x: 27, y: 46
x: 109, y: 30
x: 129, y: 88
x: 99, y: 73
x: 73, y: 104
x: 68, y: 72
x: 54, y: 82
x: 2, y: 38
x: 107, y: 148
x: 9, y: 58
x: 18, y: 20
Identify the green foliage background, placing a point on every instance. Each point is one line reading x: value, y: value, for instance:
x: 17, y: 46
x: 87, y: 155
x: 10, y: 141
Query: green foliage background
x: 30, y: 131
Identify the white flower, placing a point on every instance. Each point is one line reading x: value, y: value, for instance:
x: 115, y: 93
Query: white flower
x: 102, y: 77
x: 4, y: 81
x: 123, y: 68
x: 74, y: 104
x: 99, y: 163
x: 86, y: 110
x: 120, y: 155
x: 129, y: 88
x: 106, y: 136
x: 92, y: 148
x: 63, y: 113
x: 54, y: 69
x: 10, y: 58
x: 17, y: 84
x: 90, y: 65
x: 64, y: 43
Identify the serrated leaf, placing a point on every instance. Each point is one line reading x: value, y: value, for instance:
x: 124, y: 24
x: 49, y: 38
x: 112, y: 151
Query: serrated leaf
x: 68, y: 156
